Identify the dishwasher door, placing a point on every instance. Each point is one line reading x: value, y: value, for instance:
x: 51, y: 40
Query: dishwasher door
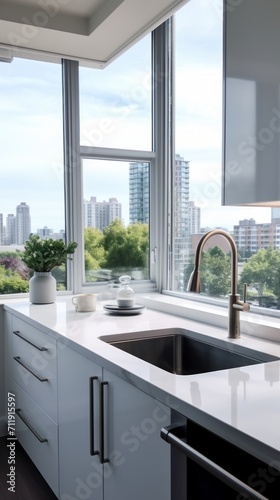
x: 205, y: 466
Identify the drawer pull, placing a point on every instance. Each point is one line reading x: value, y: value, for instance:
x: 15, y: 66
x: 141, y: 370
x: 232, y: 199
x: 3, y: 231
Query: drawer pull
x: 102, y: 459
x: 16, y: 332
x: 19, y: 414
x: 18, y: 360
x: 91, y: 416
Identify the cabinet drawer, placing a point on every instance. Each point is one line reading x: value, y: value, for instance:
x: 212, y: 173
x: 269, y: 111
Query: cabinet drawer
x: 38, y: 434
x: 35, y: 369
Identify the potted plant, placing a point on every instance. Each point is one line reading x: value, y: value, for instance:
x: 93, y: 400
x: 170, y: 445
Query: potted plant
x: 41, y: 256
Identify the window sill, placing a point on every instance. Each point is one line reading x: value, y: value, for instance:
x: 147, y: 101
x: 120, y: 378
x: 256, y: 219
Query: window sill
x: 251, y: 323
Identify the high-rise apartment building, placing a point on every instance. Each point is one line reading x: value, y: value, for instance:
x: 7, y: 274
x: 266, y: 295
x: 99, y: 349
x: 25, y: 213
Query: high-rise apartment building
x: 1, y: 230
x: 139, y: 197
x: 181, y: 221
x: 194, y: 218
x: 186, y: 216
x: 10, y: 237
x: 22, y: 224
x: 181, y: 189
x: 251, y: 237
x: 100, y: 214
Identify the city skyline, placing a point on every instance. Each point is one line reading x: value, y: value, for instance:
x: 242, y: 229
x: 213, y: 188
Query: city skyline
x: 45, y: 227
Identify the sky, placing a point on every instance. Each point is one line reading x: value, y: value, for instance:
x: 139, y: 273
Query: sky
x: 115, y: 112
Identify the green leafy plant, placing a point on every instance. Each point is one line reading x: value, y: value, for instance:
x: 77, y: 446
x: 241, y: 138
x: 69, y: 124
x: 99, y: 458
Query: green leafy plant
x: 42, y: 255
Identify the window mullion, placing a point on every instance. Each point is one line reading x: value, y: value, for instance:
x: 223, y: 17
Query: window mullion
x: 72, y: 170
x: 163, y: 145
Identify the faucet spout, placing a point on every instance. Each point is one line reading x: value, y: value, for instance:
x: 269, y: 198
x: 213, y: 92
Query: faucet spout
x: 235, y: 304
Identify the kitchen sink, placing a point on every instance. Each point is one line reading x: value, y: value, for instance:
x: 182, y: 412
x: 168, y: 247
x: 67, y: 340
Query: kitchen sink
x: 183, y: 352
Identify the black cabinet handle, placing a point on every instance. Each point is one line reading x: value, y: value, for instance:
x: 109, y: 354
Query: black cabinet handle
x: 16, y: 332
x: 103, y: 460
x: 91, y: 416
x: 18, y: 360
x: 207, y: 464
x: 19, y: 414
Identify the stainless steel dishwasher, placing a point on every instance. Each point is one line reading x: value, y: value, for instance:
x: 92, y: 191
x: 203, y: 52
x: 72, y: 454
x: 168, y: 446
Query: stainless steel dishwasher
x: 205, y: 466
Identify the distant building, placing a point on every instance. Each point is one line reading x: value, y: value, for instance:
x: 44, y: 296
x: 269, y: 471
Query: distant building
x: 181, y: 220
x: 100, y: 214
x: 58, y: 236
x: 139, y: 193
x: 45, y: 232
x: 10, y: 237
x: 1, y: 230
x: 181, y: 190
x: 275, y: 215
x: 194, y: 218
x: 22, y: 223
x: 251, y: 237
x: 185, y: 218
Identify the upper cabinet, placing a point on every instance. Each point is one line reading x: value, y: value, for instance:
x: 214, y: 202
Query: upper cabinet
x: 251, y: 133
x: 91, y: 31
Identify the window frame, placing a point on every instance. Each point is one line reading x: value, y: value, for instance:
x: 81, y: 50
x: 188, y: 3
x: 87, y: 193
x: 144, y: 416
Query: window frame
x: 97, y: 153
x: 160, y: 158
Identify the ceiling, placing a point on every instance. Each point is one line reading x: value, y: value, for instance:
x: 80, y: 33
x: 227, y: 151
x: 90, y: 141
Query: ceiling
x: 94, y: 32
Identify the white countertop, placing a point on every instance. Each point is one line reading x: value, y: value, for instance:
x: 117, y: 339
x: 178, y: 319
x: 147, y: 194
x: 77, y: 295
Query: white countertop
x: 242, y: 404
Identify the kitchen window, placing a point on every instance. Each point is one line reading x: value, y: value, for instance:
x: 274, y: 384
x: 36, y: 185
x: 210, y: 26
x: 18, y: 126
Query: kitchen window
x: 31, y: 158
x: 198, y: 140
x: 116, y: 165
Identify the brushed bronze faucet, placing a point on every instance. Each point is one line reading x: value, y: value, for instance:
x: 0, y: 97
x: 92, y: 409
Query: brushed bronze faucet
x: 235, y: 305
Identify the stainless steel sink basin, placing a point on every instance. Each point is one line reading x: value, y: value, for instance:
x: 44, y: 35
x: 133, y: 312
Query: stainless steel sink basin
x: 180, y: 353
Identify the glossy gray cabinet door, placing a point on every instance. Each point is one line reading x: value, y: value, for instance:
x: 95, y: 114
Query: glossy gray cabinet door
x: 139, y: 460
x: 80, y: 473
x: 127, y: 422
x: 251, y: 162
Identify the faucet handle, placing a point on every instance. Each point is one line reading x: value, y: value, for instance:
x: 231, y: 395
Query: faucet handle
x: 245, y: 293
x: 242, y: 305
x: 245, y: 305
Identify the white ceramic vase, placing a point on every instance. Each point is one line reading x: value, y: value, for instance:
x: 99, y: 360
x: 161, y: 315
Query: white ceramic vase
x: 42, y: 288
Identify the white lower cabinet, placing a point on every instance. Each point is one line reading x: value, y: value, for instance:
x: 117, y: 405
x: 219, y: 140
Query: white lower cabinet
x: 79, y: 470
x: 139, y: 463
x: 109, y: 435
x: 38, y: 434
x: 31, y: 380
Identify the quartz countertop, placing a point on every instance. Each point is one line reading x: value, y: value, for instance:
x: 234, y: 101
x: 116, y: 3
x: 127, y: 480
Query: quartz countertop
x: 241, y: 404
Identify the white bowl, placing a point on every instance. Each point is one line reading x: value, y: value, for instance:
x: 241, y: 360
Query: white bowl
x: 126, y: 302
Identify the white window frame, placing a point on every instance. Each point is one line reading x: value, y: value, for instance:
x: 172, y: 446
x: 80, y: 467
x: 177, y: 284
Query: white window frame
x: 160, y: 158
x: 94, y: 153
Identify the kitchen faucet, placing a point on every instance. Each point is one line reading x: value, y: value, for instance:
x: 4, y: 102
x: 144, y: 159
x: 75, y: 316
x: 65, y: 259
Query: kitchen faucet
x: 234, y: 304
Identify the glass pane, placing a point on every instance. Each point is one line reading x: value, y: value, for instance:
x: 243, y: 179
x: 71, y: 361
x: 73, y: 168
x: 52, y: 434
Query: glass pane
x: 115, y: 103
x: 116, y: 219
x: 198, y: 74
x: 31, y: 158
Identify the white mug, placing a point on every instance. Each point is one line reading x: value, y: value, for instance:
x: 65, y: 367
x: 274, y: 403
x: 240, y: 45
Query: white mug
x: 85, y: 302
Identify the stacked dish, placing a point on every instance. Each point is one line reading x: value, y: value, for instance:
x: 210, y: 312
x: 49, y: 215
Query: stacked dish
x: 124, y: 311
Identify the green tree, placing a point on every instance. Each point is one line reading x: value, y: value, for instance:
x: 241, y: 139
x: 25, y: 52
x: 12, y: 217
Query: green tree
x: 94, y: 249
x: 262, y: 271
x: 126, y: 247
x: 12, y: 282
x: 138, y: 244
x: 215, y: 272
